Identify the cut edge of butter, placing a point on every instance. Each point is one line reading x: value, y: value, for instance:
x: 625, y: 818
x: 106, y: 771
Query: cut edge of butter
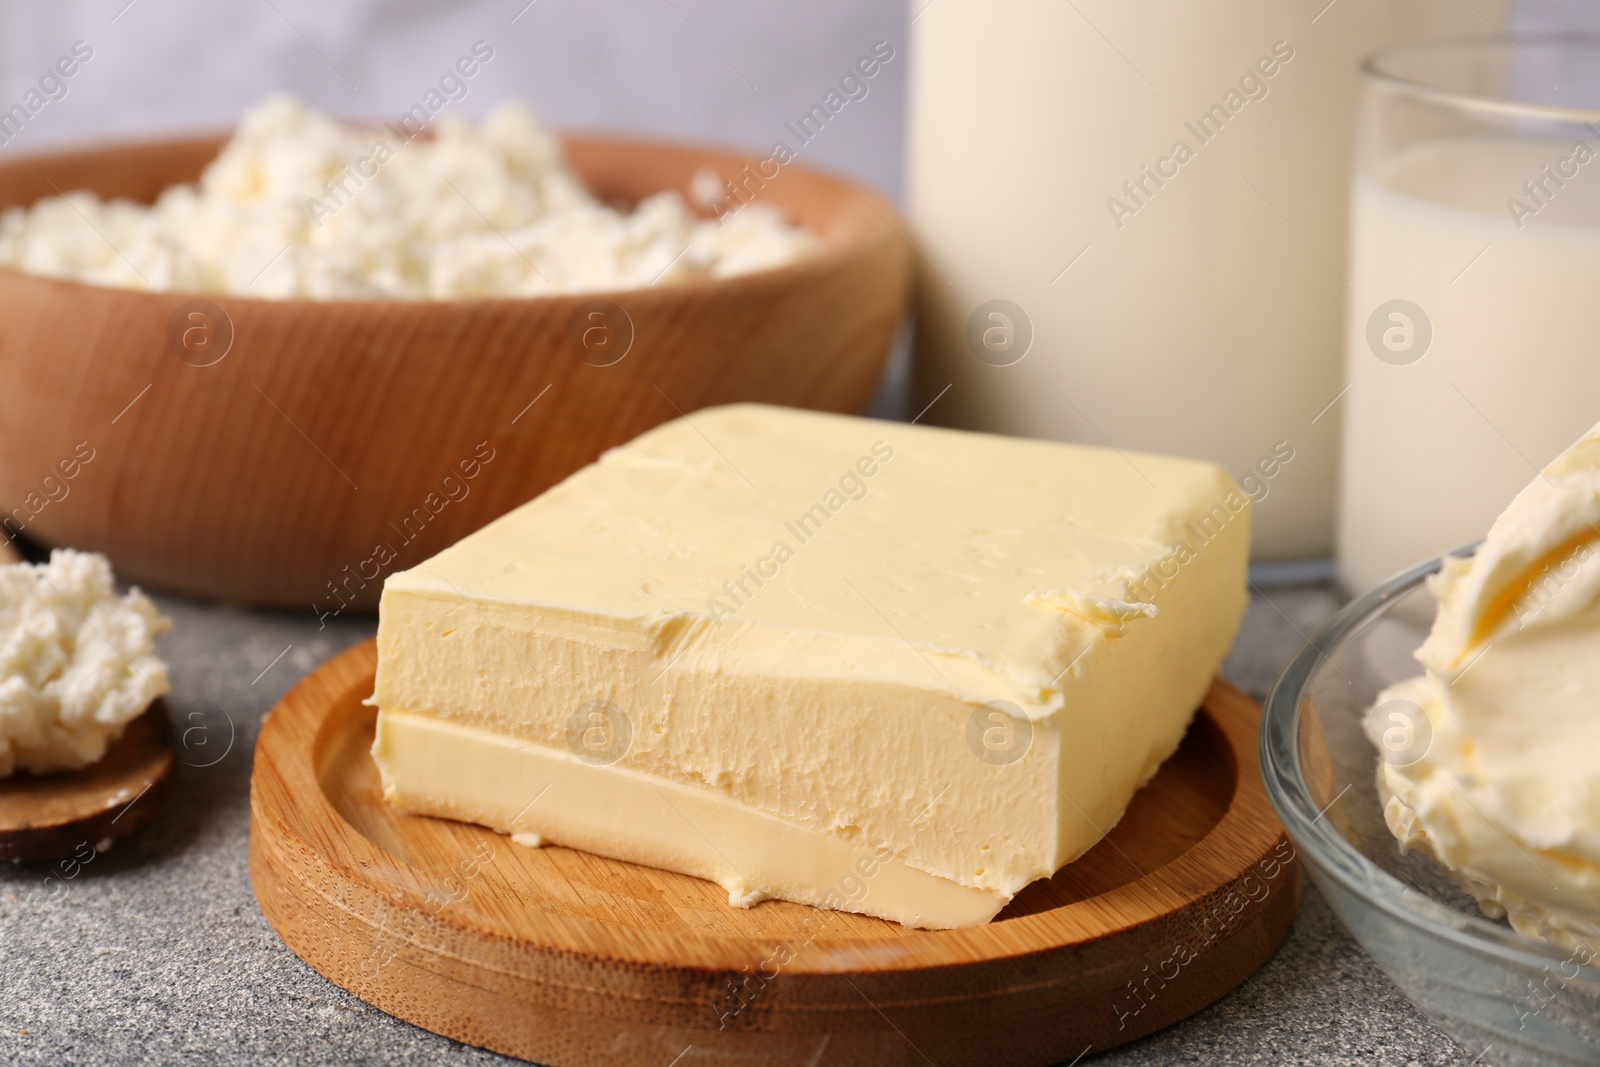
x: 533, y: 792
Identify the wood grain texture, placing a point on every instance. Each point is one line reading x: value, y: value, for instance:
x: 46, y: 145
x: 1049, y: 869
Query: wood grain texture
x: 566, y: 958
x: 47, y: 816
x: 276, y: 475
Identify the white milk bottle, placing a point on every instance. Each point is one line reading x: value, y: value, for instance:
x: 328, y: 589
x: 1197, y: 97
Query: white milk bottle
x: 1132, y: 216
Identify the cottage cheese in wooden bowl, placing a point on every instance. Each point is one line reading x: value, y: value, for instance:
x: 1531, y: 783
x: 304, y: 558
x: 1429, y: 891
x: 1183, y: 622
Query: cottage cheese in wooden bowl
x: 298, y: 205
x: 309, y: 355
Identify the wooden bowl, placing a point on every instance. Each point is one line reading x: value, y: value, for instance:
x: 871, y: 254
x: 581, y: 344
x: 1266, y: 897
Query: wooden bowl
x: 334, y: 442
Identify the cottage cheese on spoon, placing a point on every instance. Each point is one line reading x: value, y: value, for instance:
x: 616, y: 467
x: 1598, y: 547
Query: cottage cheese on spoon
x: 77, y: 662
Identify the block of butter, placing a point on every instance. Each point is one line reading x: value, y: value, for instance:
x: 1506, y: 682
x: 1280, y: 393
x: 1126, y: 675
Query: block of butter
x: 891, y: 669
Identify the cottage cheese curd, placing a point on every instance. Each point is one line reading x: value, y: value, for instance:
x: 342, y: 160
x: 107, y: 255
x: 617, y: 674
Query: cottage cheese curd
x: 77, y: 662
x: 1492, y: 758
x: 297, y: 205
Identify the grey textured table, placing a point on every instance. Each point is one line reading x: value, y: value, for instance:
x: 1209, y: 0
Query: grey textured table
x: 155, y: 952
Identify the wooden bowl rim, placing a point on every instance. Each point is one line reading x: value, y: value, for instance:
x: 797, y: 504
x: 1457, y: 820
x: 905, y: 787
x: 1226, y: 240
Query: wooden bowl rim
x: 1247, y: 826
x: 836, y: 248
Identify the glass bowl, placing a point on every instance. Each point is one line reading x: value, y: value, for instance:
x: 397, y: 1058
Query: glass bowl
x: 1506, y: 998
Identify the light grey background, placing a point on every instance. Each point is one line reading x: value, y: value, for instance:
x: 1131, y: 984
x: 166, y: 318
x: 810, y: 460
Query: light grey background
x: 703, y: 70
x: 715, y: 71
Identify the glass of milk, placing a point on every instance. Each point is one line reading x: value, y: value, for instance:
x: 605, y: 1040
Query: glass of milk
x: 1471, y: 353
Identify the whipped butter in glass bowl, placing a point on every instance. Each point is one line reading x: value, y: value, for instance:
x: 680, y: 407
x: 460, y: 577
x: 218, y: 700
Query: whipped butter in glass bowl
x: 1452, y: 818
x: 1491, y: 759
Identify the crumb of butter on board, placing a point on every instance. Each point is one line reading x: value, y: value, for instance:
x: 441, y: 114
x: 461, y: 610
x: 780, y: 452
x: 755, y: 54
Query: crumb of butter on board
x: 77, y: 661
x: 299, y: 205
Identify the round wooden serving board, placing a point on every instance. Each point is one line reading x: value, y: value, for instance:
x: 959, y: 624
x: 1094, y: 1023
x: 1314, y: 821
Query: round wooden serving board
x: 565, y: 958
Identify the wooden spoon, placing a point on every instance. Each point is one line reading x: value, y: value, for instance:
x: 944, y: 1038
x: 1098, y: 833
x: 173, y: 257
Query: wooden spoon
x: 48, y: 816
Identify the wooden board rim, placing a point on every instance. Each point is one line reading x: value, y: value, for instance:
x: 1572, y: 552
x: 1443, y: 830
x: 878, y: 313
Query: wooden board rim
x: 1248, y: 827
x: 546, y: 983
